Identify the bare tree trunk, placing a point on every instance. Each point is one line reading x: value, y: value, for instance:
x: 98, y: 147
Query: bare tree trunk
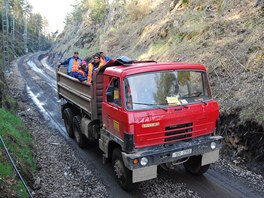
x: 25, y: 34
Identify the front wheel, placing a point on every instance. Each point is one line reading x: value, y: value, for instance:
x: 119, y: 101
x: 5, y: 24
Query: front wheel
x: 123, y: 174
x: 193, y: 165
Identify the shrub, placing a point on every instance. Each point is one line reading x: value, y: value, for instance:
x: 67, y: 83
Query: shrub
x: 97, y: 9
x: 136, y: 10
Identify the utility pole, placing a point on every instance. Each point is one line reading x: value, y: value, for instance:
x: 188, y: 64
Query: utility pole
x: 5, y: 28
x: 13, y: 30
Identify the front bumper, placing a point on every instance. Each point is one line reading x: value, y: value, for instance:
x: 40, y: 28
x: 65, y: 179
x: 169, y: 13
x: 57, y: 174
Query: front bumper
x: 163, y: 154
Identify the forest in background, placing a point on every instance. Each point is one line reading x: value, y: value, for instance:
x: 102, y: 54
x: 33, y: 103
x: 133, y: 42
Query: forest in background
x: 25, y: 31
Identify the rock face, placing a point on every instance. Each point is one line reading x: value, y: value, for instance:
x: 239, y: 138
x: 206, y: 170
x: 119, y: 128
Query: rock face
x: 260, y: 3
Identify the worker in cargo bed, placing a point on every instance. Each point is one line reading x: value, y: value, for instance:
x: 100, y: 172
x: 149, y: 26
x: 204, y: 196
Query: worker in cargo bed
x: 82, y: 75
x: 93, y: 66
x: 73, y: 64
x: 103, y: 58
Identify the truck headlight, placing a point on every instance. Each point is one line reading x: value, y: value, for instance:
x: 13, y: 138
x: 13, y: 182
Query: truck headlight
x: 144, y: 161
x: 213, y: 145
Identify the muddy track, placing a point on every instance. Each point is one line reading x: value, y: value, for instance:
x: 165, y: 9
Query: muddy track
x: 220, y: 181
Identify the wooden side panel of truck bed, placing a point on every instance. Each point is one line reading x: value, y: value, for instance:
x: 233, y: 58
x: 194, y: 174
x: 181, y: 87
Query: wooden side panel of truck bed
x: 74, y: 91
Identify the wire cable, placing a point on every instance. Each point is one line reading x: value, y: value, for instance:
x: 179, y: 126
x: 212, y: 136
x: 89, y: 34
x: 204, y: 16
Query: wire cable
x: 14, y: 166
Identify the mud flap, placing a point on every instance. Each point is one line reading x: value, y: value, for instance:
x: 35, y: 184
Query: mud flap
x: 142, y: 174
x: 210, y: 157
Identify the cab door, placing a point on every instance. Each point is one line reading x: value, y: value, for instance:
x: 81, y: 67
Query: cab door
x: 114, y: 118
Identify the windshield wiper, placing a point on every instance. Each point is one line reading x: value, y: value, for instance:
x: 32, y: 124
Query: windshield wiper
x: 185, y: 106
x: 154, y: 105
x: 194, y: 94
x: 203, y: 102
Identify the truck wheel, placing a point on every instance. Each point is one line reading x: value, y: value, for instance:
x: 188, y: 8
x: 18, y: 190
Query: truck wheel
x: 68, y: 117
x: 123, y: 174
x: 193, y: 165
x: 79, y: 137
x: 164, y: 167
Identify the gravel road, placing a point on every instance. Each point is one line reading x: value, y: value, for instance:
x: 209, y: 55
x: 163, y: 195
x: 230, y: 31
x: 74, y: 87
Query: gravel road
x: 65, y: 170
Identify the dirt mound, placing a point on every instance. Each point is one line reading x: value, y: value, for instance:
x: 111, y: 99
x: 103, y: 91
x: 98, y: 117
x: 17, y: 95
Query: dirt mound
x: 243, y: 141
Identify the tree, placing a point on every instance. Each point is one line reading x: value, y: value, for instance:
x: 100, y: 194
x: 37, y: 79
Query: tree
x: 27, y: 30
x: 164, y: 84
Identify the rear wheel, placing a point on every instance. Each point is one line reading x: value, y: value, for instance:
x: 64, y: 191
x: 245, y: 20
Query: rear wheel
x: 123, y: 174
x: 68, y: 115
x: 193, y: 165
x: 79, y: 137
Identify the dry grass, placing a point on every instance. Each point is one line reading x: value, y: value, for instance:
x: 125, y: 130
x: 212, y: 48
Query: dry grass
x: 137, y: 10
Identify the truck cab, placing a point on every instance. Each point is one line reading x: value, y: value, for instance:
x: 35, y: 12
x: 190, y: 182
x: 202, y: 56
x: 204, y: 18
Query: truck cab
x: 158, y: 114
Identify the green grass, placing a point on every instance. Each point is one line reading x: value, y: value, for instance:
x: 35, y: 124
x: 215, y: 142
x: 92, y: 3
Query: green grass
x: 5, y: 169
x: 19, y: 143
x: 157, y: 47
x: 9, y: 102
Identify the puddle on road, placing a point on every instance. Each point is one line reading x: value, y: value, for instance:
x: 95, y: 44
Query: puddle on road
x: 48, y: 116
x: 46, y: 65
x: 37, y: 103
x: 51, y: 81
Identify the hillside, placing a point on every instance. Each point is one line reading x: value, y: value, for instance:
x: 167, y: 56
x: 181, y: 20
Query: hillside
x: 226, y: 36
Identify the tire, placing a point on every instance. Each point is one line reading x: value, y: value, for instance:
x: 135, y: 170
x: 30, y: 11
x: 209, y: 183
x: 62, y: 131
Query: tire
x: 79, y: 137
x: 68, y: 115
x: 122, y: 174
x: 164, y: 167
x: 193, y: 165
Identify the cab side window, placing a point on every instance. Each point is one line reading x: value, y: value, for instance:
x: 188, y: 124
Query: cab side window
x: 113, y: 92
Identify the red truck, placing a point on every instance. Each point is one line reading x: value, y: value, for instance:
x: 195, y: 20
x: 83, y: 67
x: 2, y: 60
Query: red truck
x: 144, y: 114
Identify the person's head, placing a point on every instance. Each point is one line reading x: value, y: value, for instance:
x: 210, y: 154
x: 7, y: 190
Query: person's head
x: 76, y: 55
x: 96, y: 58
x: 83, y: 65
x: 101, y: 54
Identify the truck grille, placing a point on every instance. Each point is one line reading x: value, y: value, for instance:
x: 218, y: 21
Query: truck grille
x: 177, y: 132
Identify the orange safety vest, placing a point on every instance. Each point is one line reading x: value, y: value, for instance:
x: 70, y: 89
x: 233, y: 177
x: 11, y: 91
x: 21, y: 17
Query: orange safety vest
x: 82, y: 72
x: 90, y: 71
x: 75, y: 66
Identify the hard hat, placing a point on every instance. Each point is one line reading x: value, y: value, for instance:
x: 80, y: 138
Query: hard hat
x: 83, y: 62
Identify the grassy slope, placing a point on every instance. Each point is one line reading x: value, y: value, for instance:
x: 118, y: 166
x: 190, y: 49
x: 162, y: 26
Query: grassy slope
x: 19, y: 143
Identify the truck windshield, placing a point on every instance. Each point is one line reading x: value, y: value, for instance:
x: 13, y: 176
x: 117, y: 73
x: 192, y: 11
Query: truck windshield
x: 166, y: 88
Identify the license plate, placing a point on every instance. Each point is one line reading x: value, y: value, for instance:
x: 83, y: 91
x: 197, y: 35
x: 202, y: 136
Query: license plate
x: 180, y: 153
